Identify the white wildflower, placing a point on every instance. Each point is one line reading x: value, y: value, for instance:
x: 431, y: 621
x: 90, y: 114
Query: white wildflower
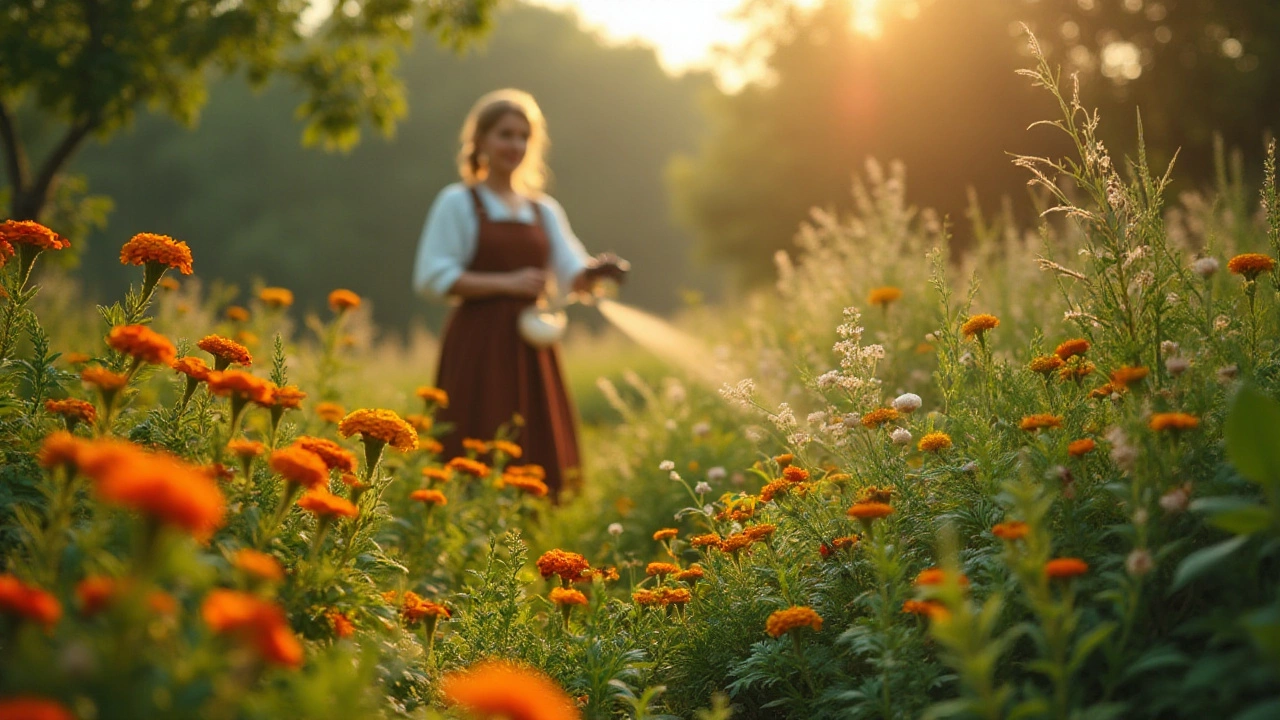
x: 701, y: 429
x: 701, y: 488
x: 786, y: 418
x: 818, y: 418
x: 615, y: 529
x: 716, y: 474
x: 1177, y: 365
x: 1139, y: 562
x: 907, y: 403
x: 1205, y: 267
x: 900, y: 436
x: 667, y: 466
x: 675, y: 476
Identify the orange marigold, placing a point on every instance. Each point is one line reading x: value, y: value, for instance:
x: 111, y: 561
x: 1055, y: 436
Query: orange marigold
x: 507, y: 448
x: 161, y: 486
x: 1042, y: 421
x: 261, y: 623
x: 479, y: 447
x: 977, y: 325
x: 28, y: 601
x: 1071, y: 348
x: 341, y: 300
x: 873, y: 493
x: 430, y: 445
x: 1065, y: 567
x: 1251, y: 265
x: 794, y: 474
x: 415, y: 608
x: 288, y: 397
x: 276, y: 297
x: 879, y: 416
x: 1106, y: 390
x: 567, y: 596
x: 95, y: 593
x: 330, y: 412
x: 29, y: 232
x: 1045, y: 364
x: 708, y: 540
x: 870, y: 510
x: 1011, y: 530
x: 145, y: 248
x: 665, y: 534
x: 1173, y: 421
x: 435, y: 474
x: 568, y: 565
x: 225, y: 350
x: 1076, y: 371
x: 142, y: 343
x: 690, y: 574
x: 258, y: 564
x: 240, y: 384
x: 192, y: 367
x: 60, y: 448
x: 335, y: 456
x: 934, y: 442
x: 736, y: 542
x: 1127, y: 376
x: 246, y: 449
x: 501, y: 688
x: 31, y: 707
x: 300, y: 466
x: 327, y: 505
x: 467, y: 466
x: 168, y: 283
x: 527, y: 483
x: 760, y: 531
x: 936, y: 576
x: 342, y: 625
x: 773, y: 489
x: 76, y: 358
x: 421, y: 423
x: 782, y: 622
x: 784, y: 459
x: 433, y: 396
x: 884, y: 295
x: 72, y: 409
x: 237, y: 313
x: 382, y: 425
x: 1080, y: 447
x: 660, y: 569
x: 430, y: 497
x: 931, y: 609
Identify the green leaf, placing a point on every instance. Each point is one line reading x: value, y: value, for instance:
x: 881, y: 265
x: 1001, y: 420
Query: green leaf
x: 1088, y: 643
x: 1253, y: 436
x: 1242, y: 521
x: 1157, y: 658
x: 1262, y: 711
x: 1200, y: 561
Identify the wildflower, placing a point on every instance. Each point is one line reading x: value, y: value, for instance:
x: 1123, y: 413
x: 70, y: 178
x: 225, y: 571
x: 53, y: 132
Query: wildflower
x: 1042, y: 421
x: 467, y: 466
x: 415, y: 608
x: 436, y: 474
x: 31, y: 707
x: 934, y: 442
x: 870, y: 510
x: 380, y: 426
x: 288, y: 397
x: 529, y: 484
x: 702, y: 488
x: 708, y: 540
x: 335, y: 456
x: 342, y: 300
x: 299, y: 466
x: 665, y: 534
x: 1076, y: 371
x: 276, y: 297
x: 237, y: 313
x: 162, y: 487
x: 1205, y: 267
x: 931, y: 609
x: 501, y: 688
x: 760, y: 531
x: 781, y: 622
x: 31, y: 239
x: 782, y: 460
x: 157, y: 252
x: 1011, y: 530
x: 878, y: 417
x: 479, y: 447
x: 567, y: 596
x: 1046, y: 364
x: 330, y: 412
x: 28, y: 601
x: 257, y: 621
x: 883, y: 296
x: 1176, y: 500
x: 1173, y: 421
x: 429, y: 497
x: 794, y: 474
x: 900, y: 436
x: 937, y: 576
x: 240, y: 386
x: 433, y: 396
x: 666, y: 466
x: 660, y: 569
x: 773, y: 489
x: 326, y: 505
x: 1176, y: 366
x: 1139, y: 562
x: 1065, y: 567
x: 735, y: 543
x: 691, y: 574
x: 1070, y: 348
x: 60, y: 448
x: 142, y: 343
x: 258, y: 564
x: 978, y: 325
x: 1106, y: 390
x: 568, y: 565
x: 507, y: 448
x: 225, y: 351
x: 1251, y: 265
x: 1127, y: 376
x: 907, y: 403
x: 72, y: 411
x: 1081, y: 447
x: 717, y: 473
x: 615, y: 529
x: 342, y: 625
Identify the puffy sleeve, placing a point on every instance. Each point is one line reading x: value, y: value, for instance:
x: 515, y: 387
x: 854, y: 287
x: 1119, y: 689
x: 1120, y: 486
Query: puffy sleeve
x: 447, y: 243
x: 568, y: 256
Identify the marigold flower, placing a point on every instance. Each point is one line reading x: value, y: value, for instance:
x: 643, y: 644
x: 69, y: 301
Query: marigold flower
x: 335, y: 456
x: 342, y: 625
x: 236, y: 313
x: 430, y: 445
x: 934, y: 442
x: 760, y: 531
x: 60, y: 448
x: 145, y: 248
x: 433, y: 396
x: 414, y: 608
x: 1127, y: 376
x: 6, y: 253
x: 567, y: 596
x: 660, y: 569
x: 327, y: 505
x: 300, y: 466
x: 276, y: 297
x: 501, y: 688
x: 31, y: 707
x: 931, y: 609
x: 429, y: 497
x: 879, y: 416
x: 978, y: 325
x: 239, y: 384
x: 1080, y: 447
x: 531, y: 470
x: 1042, y: 421
x: 342, y: 300
x: 71, y: 409
x: 1065, y: 567
x: 95, y: 593
x: 28, y: 601
x: 1106, y: 390
x: 142, y: 343
x: 163, y: 487
x: 1045, y: 364
x: 467, y: 466
x: 782, y: 622
x: 479, y: 447
x: 76, y: 358
x: 690, y: 574
x: 773, y: 489
x: 527, y: 483
x: 1071, y: 348
x: 1173, y: 421
x: 883, y: 296
x: 225, y: 351
x: 288, y: 397
x: 259, y: 622
x: 784, y: 459
x: 29, y: 232
x: 435, y: 474
x: 192, y: 367
x: 258, y: 564
x: 708, y: 540
x: 568, y: 565
x: 870, y: 510
x: 794, y: 474
x: 421, y: 423
x: 507, y: 448
x: 381, y: 425
x: 665, y: 534
x: 1076, y: 371
x: 1011, y: 530
x: 246, y: 449
x: 330, y: 412
x: 936, y: 576
x: 1251, y: 265
x: 735, y: 543
x: 875, y: 494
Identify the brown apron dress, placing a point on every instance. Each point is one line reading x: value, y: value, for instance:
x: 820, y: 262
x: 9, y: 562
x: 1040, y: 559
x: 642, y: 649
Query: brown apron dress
x: 490, y: 372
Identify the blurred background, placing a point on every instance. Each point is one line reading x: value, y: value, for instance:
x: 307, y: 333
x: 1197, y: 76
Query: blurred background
x: 300, y: 144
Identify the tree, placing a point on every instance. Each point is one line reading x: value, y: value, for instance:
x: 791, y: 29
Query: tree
x: 89, y: 65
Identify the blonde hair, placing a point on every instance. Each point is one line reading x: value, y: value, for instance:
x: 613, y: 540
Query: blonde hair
x: 531, y: 177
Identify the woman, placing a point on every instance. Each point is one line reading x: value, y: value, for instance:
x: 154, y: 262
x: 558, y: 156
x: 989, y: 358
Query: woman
x: 494, y: 243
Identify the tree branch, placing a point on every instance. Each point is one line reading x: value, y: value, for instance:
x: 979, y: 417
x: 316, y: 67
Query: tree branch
x: 37, y: 194
x: 15, y: 160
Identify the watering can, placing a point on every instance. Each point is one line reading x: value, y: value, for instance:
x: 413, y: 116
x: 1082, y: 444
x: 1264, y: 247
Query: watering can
x: 543, y: 323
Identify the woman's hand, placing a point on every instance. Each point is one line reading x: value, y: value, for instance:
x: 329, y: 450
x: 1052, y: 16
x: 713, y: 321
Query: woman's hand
x: 527, y: 282
x: 607, y: 265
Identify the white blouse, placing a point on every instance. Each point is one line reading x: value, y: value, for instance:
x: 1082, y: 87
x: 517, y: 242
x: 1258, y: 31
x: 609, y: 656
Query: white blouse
x: 448, y: 240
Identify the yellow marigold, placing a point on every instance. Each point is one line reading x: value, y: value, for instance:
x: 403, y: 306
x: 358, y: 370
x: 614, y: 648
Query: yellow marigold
x: 29, y: 232
x: 342, y: 625
x: 875, y: 494
x: 28, y: 601
x: 300, y: 466
x: 690, y: 574
x: 276, y: 297
x: 1046, y: 364
x: 502, y: 688
x: 1011, y: 530
x: 1041, y: 421
x: 142, y: 343
x: 879, y: 416
x: 1065, y: 567
x: 433, y: 396
x: 288, y: 397
x: 327, y: 505
x: 1076, y: 371
x: 259, y: 564
x: 33, y: 707
x: 665, y: 534
x: 429, y: 497
x: 243, y: 448
x: 1251, y: 265
x: 238, y: 383
x: 884, y: 295
x: 1173, y: 421
x: 145, y: 248
x: 934, y: 442
x: 977, y: 325
x: 760, y: 531
x: 869, y: 510
x: 1070, y: 348
x: 430, y: 445
x: 237, y: 313
x: 1080, y: 447
x: 527, y: 483
x: 937, y: 576
x: 192, y: 367
x: 708, y: 540
x: 162, y: 487
x: 225, y: 350
x: 660, y: 569
x: 72, y: 409
x: 335, y: 456
x: 567, y: 596
x: 507, y: 448
x: 259, y: 622
x: 568, y: 565
x: 1127, y: 376
x: 384, y: 425
x: 330, y: 412
x: 782, y: 622
x: 479, y: 447
x: 467, y: 466
x: 341, y: 300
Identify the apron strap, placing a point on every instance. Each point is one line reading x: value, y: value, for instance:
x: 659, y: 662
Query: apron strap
x: 475, y: 200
